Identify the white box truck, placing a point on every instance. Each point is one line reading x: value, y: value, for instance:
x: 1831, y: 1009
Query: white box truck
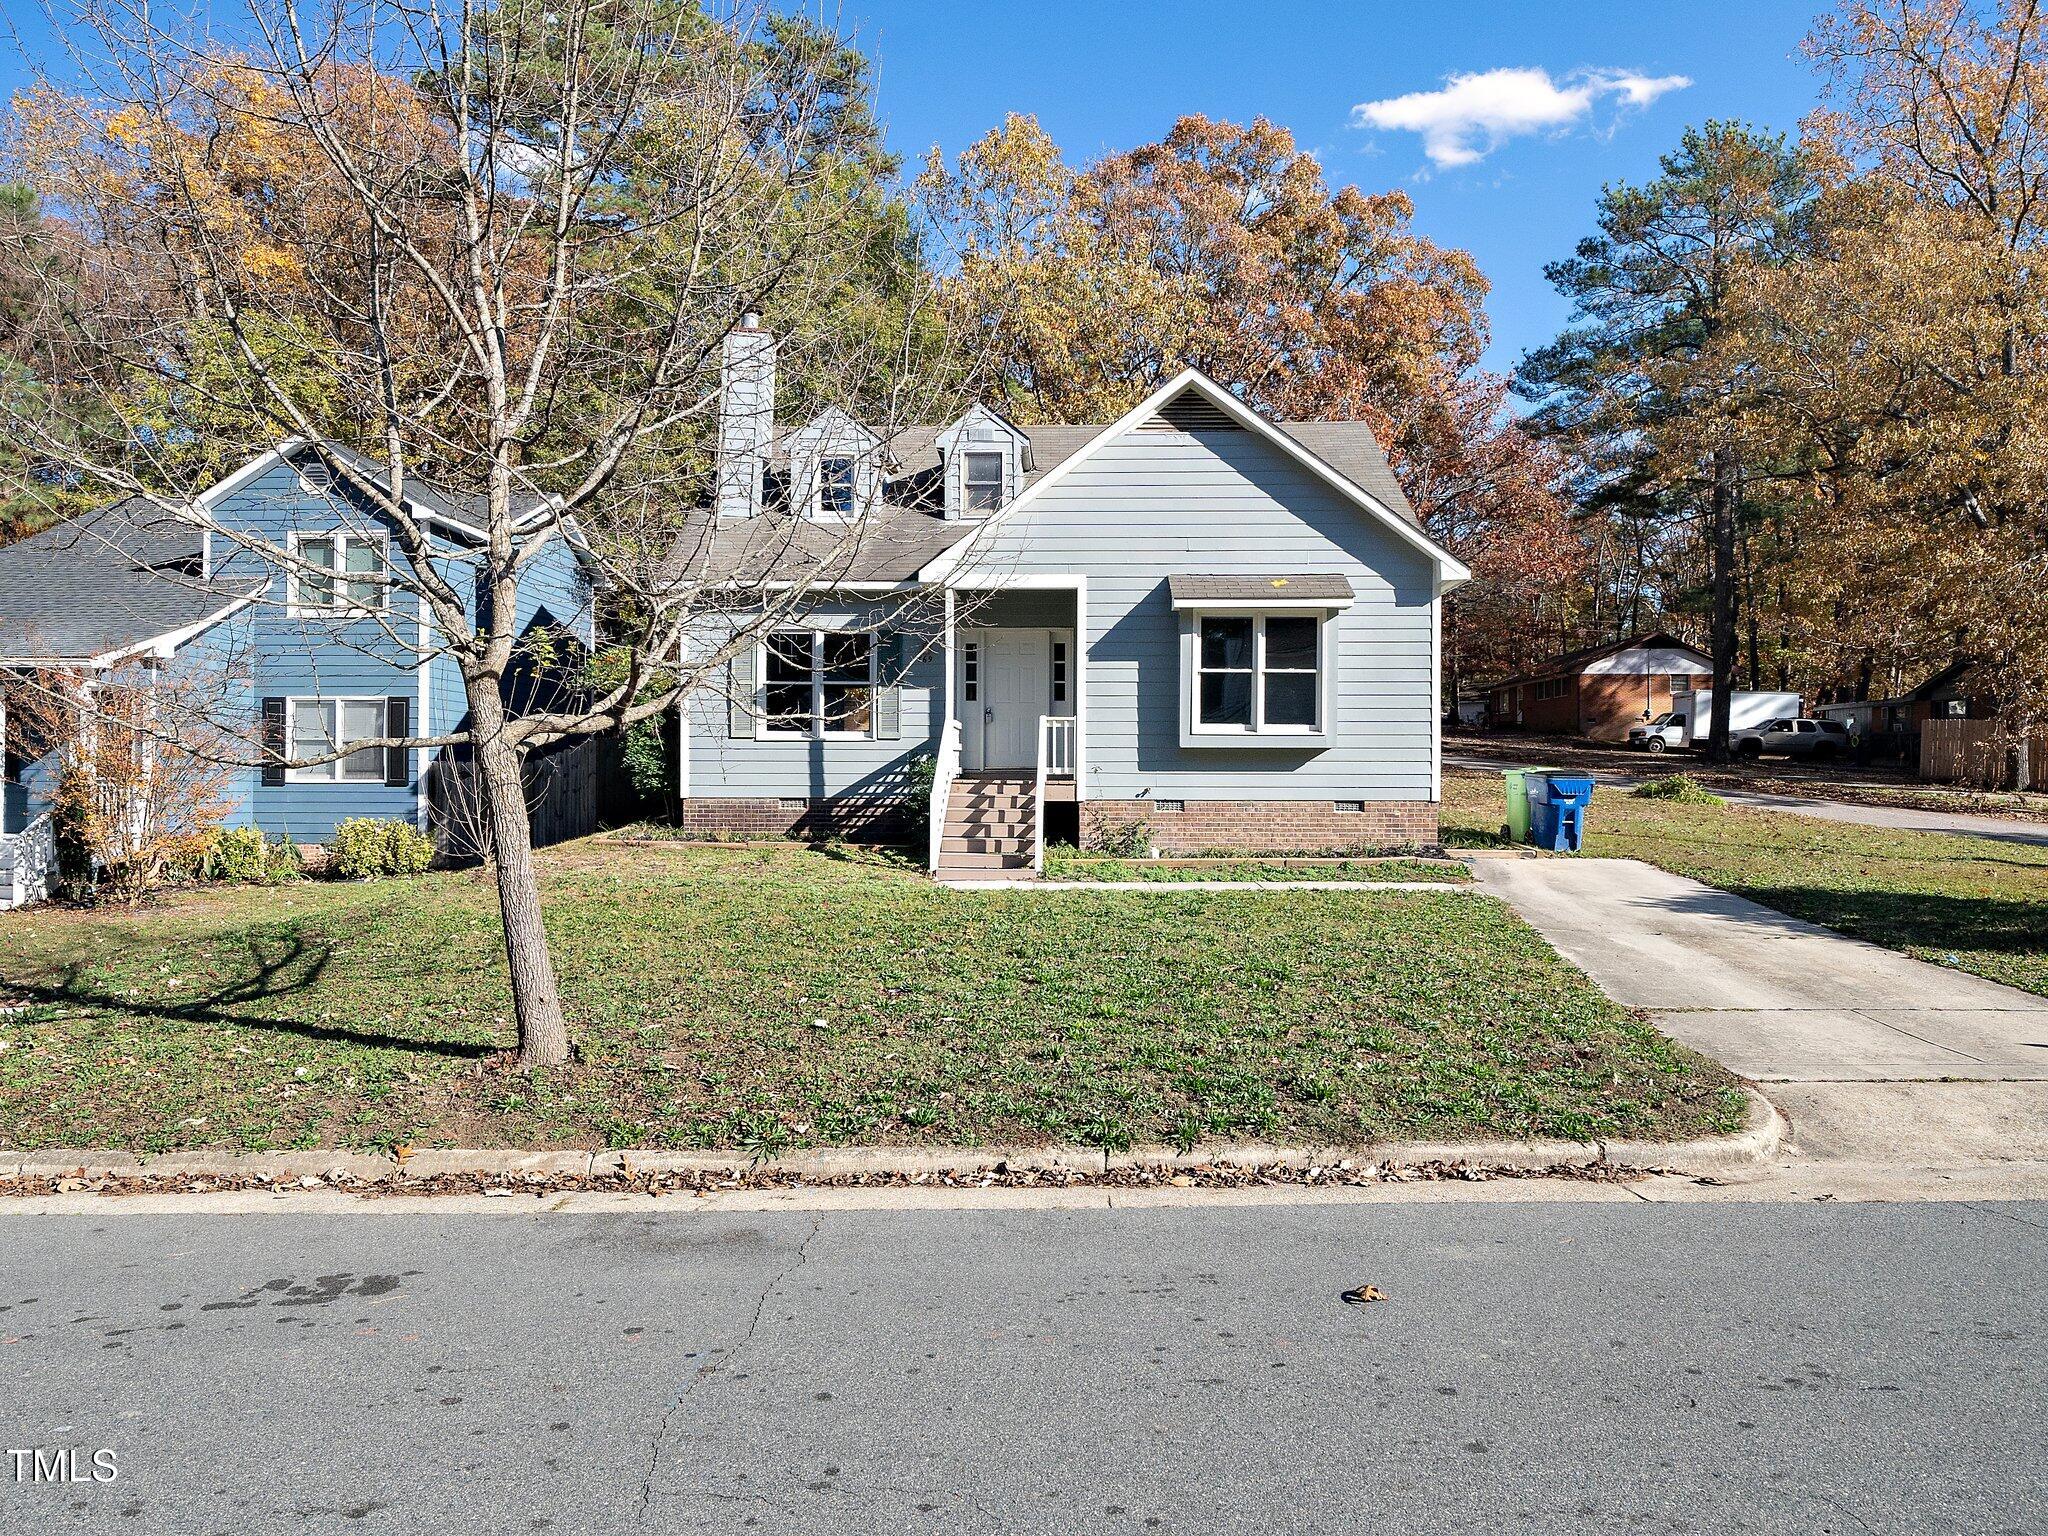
x: 1691, y: 716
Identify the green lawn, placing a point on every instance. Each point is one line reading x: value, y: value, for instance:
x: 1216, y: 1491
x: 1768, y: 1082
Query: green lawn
x: 770, y: 997
x: 1974, y: 903
x: 1066, y: 864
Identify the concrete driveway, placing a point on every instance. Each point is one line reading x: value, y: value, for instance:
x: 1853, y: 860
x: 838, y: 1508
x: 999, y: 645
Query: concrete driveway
x: 1872, y: 1053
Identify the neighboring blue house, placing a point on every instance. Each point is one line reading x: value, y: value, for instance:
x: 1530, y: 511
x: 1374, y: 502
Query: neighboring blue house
x: 307, y: 662
x: 1193, y: 625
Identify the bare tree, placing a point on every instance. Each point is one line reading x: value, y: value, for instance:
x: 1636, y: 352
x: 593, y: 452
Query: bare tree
x: 480, y: 255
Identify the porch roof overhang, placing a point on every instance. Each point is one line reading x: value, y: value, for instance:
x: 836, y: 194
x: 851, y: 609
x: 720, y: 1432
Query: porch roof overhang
x: 1275, y: 593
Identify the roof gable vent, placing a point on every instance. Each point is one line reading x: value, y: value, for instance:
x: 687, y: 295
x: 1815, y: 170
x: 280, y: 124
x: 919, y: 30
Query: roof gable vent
x: 1191, y: 411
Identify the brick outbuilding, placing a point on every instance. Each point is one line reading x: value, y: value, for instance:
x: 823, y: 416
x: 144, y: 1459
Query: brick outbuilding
x: 1602, y: 690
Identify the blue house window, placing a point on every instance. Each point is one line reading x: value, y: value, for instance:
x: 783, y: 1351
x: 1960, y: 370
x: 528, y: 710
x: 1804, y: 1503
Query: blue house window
x: 346, y: 574
x: 321, y: 726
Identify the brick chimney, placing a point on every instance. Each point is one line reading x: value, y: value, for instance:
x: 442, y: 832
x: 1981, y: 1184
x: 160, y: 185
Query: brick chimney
x: 746, y: 416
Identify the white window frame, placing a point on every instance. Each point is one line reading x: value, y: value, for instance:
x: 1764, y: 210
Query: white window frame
x: 331, y: 773
x: 1195, y: 732
x: 819, y: 730
x: 967, y: 482
x: 343, y: 606
x: 851, y: 510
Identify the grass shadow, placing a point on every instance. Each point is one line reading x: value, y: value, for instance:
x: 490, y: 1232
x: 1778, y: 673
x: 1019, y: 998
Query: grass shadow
x: 1900, y: 920
x: 277, y: 969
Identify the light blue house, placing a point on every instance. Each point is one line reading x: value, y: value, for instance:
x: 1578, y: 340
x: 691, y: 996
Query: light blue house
x: 298, y: 662
x: 1192, y: 627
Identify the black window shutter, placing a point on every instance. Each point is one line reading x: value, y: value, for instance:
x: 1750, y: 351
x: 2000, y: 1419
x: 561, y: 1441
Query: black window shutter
x: 273, y: 741
x: 397, y: 722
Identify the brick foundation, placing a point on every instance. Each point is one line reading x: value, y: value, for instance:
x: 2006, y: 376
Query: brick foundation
x: 1268, y: 826
x: 857, y: 818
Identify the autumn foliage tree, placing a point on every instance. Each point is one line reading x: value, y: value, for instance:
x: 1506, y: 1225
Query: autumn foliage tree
x: 1815, y: 378
x: 1903, y: 362
x: 498, y: 247
x: 1223, y: 246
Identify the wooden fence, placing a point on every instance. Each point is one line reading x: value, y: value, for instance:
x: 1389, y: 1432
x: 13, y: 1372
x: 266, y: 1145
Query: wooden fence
x: 1972, y: 752
x: 566, y: 794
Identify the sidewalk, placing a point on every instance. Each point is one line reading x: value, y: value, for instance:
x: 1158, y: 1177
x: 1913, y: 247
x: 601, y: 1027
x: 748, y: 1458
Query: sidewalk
x: 1871, y: 1053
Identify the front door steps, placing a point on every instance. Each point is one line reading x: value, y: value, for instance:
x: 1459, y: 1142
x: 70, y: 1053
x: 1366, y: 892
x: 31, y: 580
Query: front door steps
x: 990, y: 822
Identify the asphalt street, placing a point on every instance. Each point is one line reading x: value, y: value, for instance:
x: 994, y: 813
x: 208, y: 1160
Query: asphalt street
x: 1811, y: 1368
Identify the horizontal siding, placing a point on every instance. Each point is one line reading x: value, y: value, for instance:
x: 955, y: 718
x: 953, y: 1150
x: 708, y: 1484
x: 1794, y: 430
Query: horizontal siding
x: 288, y: 657
x: 1155, y: 504
x: 790, y: 767
x: 323, y: 658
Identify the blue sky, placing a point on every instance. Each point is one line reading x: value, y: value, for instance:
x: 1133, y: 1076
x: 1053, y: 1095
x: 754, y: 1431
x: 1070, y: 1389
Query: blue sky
x: 1106, y: 74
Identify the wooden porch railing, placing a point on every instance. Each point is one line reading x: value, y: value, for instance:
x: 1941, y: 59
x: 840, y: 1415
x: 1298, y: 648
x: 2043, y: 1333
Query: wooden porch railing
x: 1056, y: 758
x: 944, y: 772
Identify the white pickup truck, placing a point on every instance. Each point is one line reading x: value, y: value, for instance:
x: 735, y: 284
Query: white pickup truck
x: 1691, y: 716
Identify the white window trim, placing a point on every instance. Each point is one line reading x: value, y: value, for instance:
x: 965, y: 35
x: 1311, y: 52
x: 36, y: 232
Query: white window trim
x: 969, y: 453
x: 331, y: 774
x: 342, y: 607
x: 848, y: 513
x: 1194, y: 733
x: 818, y: 730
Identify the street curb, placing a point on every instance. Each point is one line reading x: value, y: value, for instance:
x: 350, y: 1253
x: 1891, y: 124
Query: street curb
x: 1752, y: 1147
x: 1755, y: 1145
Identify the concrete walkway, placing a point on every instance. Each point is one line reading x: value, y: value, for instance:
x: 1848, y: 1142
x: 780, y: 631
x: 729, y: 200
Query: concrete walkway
x: 2008, y: 829
x: 1870, y: 1052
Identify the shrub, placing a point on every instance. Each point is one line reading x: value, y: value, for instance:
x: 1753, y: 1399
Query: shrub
x: 919, y: 775
x: 1681, y: 787
x: 1118, y: 837
x: 366, y: 847
x: 240, y: 856
x: 649, y: 761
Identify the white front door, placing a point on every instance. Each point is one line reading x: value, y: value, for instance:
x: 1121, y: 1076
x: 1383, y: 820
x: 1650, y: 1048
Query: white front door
x: 1005, y: 685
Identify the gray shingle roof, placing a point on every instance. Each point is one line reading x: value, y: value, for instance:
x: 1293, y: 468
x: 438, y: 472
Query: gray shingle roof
x: 1348, y: 447
x: 892, y: 544
x: 900, y: 540
x: 1254, y: 589
x: 107, y: 581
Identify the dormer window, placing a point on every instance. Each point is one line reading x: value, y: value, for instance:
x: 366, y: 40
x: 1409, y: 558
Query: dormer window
x: 984, y: 482
x: 986, y: 460
x: 835, y: 486
x: 835, y: 468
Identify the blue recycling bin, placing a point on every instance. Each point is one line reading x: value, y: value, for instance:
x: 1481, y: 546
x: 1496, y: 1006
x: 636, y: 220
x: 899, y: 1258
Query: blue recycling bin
x: 1557, y: 821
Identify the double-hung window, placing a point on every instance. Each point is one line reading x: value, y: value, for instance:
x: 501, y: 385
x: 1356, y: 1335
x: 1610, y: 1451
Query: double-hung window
x: 819, y: 682
x: 317, y: 727
x: 983, y: 482
x: 344, y: 574
x: 1257, y: 675
x: 835, y: 485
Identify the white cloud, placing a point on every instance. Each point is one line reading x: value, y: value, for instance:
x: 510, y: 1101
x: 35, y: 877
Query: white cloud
x: 1474, y: 114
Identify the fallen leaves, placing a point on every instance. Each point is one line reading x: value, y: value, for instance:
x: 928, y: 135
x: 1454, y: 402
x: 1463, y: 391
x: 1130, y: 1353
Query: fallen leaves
x: 1364, y: 1295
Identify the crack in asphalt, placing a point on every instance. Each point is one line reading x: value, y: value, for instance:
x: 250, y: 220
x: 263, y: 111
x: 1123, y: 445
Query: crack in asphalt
x: 1983, y: 1208
x: 719, y: 1361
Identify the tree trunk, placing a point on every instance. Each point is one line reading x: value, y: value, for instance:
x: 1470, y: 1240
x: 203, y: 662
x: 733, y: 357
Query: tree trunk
x: 1724, y: 637
x: 536, y: 1002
